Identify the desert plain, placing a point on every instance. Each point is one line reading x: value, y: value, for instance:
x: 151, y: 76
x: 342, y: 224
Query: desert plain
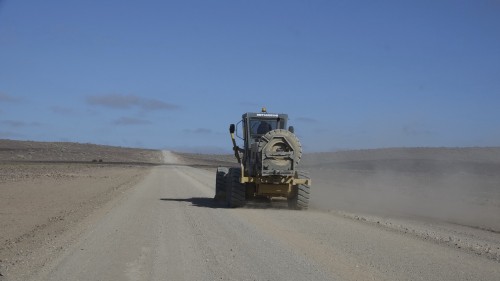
x: 72, y: 211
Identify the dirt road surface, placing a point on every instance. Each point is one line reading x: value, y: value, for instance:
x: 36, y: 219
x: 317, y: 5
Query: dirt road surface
x: 167, y: 227
x: 73, y: 211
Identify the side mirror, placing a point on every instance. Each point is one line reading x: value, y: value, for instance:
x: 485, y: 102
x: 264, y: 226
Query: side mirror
x: 291, y: 129
x: 231, y: 128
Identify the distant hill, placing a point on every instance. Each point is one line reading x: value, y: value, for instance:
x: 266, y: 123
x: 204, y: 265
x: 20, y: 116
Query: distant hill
x: 14, y: 150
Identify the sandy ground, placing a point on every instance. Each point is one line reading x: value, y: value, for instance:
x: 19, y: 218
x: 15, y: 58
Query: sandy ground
x: 388, y: 214
x: 48, y: 188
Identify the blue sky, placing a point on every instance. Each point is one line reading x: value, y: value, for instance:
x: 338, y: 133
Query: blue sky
x: 174, y: 74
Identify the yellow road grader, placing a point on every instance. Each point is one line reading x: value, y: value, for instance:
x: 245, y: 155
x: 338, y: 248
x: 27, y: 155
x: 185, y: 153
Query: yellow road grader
x: 268, y: 163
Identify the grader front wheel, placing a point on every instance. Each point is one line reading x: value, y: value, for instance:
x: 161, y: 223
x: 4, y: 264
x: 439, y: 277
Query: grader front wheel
x: 220, y: 183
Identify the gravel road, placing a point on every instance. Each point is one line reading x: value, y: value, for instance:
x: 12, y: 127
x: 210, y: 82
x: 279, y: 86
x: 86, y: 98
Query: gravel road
x: 167, y: 227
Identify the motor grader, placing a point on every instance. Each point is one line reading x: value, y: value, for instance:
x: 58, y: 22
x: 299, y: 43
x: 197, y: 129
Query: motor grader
x: 268, y: 163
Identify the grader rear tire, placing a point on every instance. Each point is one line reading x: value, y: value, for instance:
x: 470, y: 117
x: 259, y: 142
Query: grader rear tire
x: 300, y: 197
x: 235, y: 193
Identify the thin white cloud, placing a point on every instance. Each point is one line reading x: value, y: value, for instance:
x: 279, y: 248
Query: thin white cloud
x: 306, y: 120
x: 10, y: 135
x: 416, y: 130
x: 129, y: 101
x: 127, y: 121
x: 251, y: 104
x: 62, y: 110
x: 8, y: 98
x: 19, y: 124
x: 199, y: 131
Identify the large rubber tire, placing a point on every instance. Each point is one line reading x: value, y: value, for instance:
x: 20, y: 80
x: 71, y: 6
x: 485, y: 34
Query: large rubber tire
x: 300, y: 199
x: 273, y: 140
x: 235, y: 191
x: 220, y: 183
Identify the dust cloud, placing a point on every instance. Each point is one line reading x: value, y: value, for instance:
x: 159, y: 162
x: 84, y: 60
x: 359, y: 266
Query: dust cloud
x: 457, y: 185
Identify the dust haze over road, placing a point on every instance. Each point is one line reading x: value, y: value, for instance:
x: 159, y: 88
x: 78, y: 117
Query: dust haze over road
x: 160, y: 223
x: 169, y: 157
x: 454, y: 185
